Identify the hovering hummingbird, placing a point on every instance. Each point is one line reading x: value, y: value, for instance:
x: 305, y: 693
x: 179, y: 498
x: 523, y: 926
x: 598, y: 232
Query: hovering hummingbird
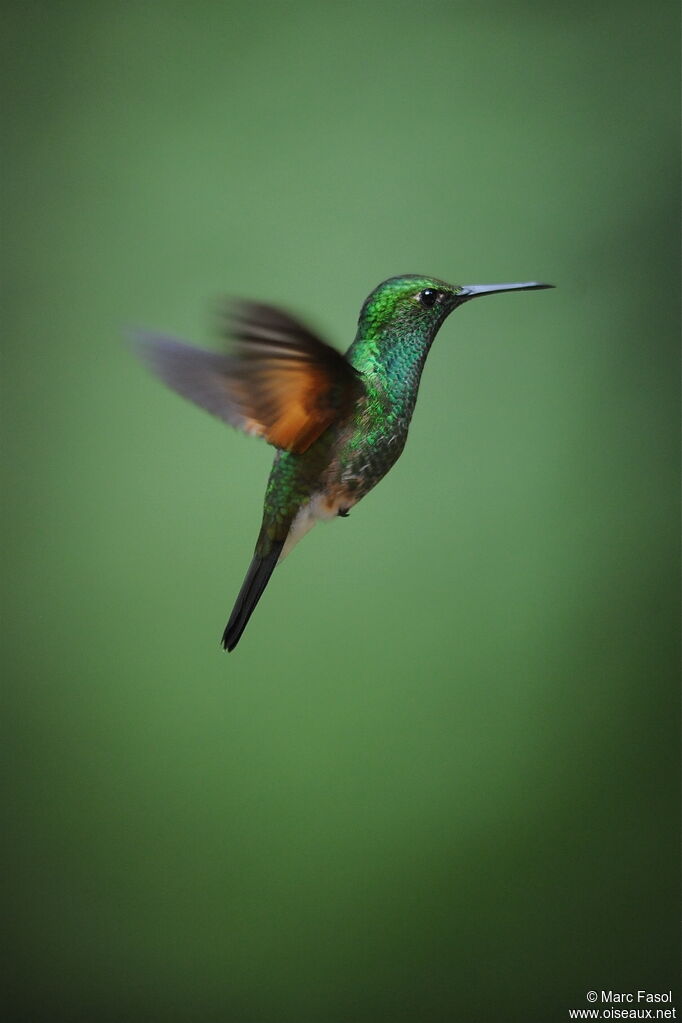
x: 338, y: 422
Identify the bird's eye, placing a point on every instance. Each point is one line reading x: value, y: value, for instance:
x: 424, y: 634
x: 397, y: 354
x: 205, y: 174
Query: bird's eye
x: 428, y: 297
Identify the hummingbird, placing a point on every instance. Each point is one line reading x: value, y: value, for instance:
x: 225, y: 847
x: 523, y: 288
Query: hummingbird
x: 338, y: 422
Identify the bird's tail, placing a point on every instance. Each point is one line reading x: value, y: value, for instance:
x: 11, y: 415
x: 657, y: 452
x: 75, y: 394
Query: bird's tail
x: 260, y: 570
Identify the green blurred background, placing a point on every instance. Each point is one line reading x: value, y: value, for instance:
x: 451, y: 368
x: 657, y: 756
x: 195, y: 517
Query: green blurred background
x: 438, y: 780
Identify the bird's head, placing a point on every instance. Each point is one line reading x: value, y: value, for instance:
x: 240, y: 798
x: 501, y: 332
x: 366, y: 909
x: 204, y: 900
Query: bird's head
x: 420, y: 304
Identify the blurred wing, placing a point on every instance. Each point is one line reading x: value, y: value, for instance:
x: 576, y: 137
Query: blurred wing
x: 279, y: 380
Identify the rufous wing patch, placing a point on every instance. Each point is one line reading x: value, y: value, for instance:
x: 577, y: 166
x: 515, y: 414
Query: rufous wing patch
x: 287, y: 383
x: 278, y: 380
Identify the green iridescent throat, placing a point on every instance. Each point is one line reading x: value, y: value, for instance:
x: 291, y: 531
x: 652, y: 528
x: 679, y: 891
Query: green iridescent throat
x: 394, y: 337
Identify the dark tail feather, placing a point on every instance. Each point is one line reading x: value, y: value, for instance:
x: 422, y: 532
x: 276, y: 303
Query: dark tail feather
x: 260, y: 570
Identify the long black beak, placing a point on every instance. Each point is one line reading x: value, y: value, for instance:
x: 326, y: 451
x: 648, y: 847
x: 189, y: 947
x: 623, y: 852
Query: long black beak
x: 474, y: 290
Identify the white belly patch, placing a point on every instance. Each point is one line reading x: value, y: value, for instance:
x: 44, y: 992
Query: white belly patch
x: 317, y: 509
